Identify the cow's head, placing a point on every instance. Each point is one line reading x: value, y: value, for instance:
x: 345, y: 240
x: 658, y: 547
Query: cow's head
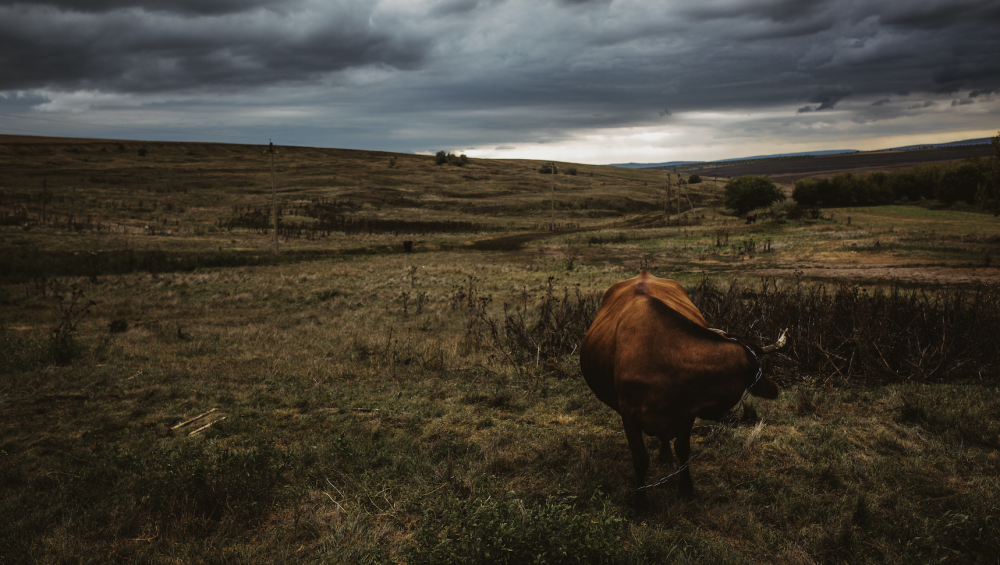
x: 759, y: 385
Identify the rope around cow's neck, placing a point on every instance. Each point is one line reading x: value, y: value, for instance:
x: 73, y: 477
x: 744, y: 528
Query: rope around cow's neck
x: 727, y: 422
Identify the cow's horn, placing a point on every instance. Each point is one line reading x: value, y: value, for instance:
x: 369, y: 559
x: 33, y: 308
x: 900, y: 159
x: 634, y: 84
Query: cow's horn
x: 782, y: 341
x: 720, y: 332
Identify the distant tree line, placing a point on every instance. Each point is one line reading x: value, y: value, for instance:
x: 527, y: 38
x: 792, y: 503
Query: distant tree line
x: 989, y: 193
x: 946, y: 182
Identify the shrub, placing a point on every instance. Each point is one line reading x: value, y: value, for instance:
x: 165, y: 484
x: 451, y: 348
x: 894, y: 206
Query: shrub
x: 571, y: 171
x: 548, y: 169
x: 806, y: 192
x: 694, y: 179
x: 786, y: 210
x: 442, y: 157
x: 17, y: 353
x: 524, y: 335
x: 60, y: 348
x: 63, y: 347
x: 750, y: 192
x: 142, y: 151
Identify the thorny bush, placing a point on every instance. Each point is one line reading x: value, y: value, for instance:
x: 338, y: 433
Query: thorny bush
x: 846, y: 332
x: 525, y: 334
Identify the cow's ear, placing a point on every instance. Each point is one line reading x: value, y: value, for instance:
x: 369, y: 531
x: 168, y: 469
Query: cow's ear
x: 765, y: 388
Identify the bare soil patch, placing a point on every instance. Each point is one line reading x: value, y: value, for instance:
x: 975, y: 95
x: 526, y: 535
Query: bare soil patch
x: 888, y: 273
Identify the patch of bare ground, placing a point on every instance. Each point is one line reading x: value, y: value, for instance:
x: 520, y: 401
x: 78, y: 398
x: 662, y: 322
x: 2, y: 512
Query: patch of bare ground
x: 887, y: 273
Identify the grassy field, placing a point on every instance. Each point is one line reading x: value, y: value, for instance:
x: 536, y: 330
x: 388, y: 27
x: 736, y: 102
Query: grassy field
x: 372, y: 405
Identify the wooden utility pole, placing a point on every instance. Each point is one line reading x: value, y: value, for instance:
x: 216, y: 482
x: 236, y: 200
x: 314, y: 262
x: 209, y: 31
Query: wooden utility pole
x: 678, y: 200
x: 666, y: 202
x: 690, y: 204
x: 274, y: 197
x: 552, y: 170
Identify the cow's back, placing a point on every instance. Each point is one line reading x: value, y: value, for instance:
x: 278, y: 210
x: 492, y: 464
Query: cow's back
x: 597, y: 351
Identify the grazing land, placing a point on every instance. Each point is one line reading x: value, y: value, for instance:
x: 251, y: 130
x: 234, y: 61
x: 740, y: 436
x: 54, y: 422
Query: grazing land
x: 787, y: 170
x: 374, y: 405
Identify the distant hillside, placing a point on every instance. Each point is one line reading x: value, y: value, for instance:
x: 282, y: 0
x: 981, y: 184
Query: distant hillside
x: 775, y: 156
x: 786, y: 170
x: 978, y: 141
x: 784, y: 155
x: 652, y: 165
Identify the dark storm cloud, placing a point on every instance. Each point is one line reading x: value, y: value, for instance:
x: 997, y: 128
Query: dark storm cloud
x: 183, y: 7
x: 825, y: 99
x: 136, y: 51
x: 939, y: 14
x: 983, y: 92
x: 774, y: 10
x: 881, y: 102
x: 584, y: 2
x: 963, y: 72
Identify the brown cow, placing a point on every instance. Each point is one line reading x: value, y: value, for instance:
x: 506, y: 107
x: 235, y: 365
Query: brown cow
x: 651, y: 356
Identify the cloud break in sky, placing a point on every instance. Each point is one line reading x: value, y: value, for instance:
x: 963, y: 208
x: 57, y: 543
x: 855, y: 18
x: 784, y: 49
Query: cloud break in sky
x: 590, y: 81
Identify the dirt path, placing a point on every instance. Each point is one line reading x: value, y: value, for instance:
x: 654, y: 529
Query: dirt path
x: 518, y: 240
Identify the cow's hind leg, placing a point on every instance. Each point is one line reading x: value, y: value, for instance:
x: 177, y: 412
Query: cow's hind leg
x: 682, y: 445
x: 640, y: 460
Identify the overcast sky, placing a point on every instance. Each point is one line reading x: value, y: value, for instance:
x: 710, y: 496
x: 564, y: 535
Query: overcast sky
x: 588, y: 81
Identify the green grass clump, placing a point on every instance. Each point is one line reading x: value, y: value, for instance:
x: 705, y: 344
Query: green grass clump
x: 19, y: 353
x: 498, y: 527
